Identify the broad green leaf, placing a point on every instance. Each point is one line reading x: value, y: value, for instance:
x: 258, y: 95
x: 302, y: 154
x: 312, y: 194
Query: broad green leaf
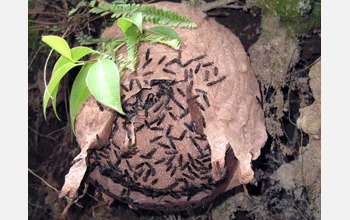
x: 137, y: 20
x: 125, y: 23
x: 79, y: 93
x: 51, y: 89
x: 165, y: 31
x: 80, y: 51
x: 77, y: 54
x: 59, y: 63
x: 58, y: 44
x: 103, y: 83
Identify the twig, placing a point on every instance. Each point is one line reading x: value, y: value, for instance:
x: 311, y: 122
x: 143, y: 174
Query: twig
x: 271, y: 94
x: 40, y: 207
x: 65, y: 210
x: 274, y: 216
x: 150, y: 1
x: 246, y: 191
x: 45, y: 67
x: 211, y: 204
x: 318, y: 59
x: 289, y: 101
x: 51, y: 5
x: 50, y: 186
x: 300, y: 212
x: 65, y: 4
x: 92, y: 209
x: 215, y: 4
x: 46, y: 23
x: 34, y: 56
x: 301, y: 155
x: 42, y: 180
x: 45, y: 136
x: 285, y: 133
x: 46, y: 208
x: 57, y: 130
x: 232, y: 6
x: 48, y: 13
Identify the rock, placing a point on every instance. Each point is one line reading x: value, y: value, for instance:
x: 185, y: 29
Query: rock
x: 226, y: 210
x: 272, y: 56
x: 285, y: 175
x: 308, y: 165
x: 310, y: 116
x: 274, y: 53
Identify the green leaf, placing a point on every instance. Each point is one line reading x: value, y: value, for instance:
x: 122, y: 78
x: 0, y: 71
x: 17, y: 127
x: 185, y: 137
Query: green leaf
x: 125, y: 23
x: 80, y: 51
x: 103, y: 83
x: 79, y: 93
x: 58, y: 44
x: 51, y: 89
x: 137, y: 20
x: 165, y: 31
x: 59, y: 63
x: 77, y: 54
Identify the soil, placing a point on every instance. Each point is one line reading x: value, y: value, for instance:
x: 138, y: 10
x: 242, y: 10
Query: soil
x: 289, y: 149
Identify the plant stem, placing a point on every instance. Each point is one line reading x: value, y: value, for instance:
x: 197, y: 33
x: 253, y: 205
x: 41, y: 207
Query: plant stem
x: 119, y: 46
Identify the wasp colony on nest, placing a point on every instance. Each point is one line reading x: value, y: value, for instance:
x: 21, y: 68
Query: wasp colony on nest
x: 193, y: 122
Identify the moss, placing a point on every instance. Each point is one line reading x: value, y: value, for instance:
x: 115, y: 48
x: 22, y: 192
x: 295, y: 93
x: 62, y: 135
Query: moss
x: 298, y: 15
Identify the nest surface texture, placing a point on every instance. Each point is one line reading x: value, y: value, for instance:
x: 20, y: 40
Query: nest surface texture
x: 193, y: 122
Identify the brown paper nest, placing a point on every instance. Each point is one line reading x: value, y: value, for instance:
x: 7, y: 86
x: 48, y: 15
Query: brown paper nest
x: 193, y: 123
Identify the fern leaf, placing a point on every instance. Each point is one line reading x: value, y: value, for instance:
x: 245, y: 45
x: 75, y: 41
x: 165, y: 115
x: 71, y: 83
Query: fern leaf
x: 89, y: 40
x: 105, y: 6
x: 105, y: 13
x: 84, y: 39
x: 96, y: 10
x: 175, y: 44
x: 149, y: 12
x: 131, y: 39
x: 121, y: 63
x: 166, y: 16
x: 116, y: 15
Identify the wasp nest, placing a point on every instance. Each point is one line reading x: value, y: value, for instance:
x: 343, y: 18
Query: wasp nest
x: 193, y: 122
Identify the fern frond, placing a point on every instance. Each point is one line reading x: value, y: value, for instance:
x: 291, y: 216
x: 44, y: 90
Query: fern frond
x: 149, y: 13
x: 121, y: 63
x: 89, y: 40
x: 84, y: 39
x: 175, y: 44
x: 132, y: 39
x: 105, y: 45
x: 166, y: 16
